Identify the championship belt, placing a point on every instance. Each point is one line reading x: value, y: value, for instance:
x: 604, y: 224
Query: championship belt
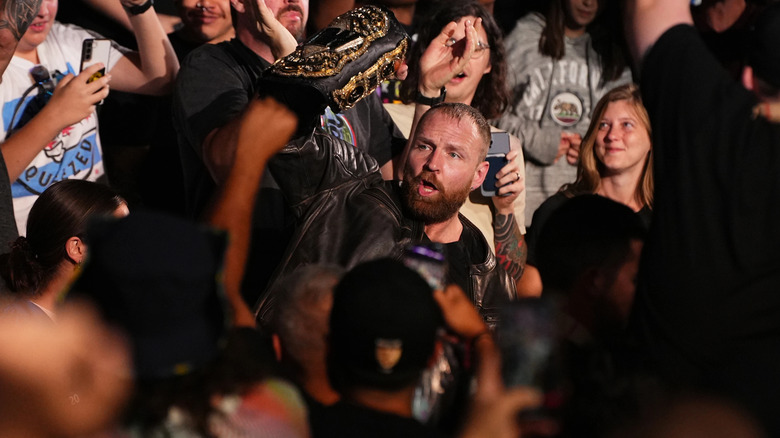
x: 340, y: 64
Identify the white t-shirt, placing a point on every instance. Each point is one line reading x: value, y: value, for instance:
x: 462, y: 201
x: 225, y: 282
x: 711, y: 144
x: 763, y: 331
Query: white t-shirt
x: 76, y: 151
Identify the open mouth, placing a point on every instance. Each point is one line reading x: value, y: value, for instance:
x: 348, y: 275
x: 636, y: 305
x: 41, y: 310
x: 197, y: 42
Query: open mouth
x: 426, y: 188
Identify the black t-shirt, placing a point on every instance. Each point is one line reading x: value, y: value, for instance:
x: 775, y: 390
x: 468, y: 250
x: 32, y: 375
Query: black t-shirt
x: 214, y: 85
x: 181, y: 45
x: 460, y: 256
x: 708, y: 300
x: 345, y: 420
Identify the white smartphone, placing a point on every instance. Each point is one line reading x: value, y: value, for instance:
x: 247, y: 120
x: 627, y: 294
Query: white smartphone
x: 94, y: 50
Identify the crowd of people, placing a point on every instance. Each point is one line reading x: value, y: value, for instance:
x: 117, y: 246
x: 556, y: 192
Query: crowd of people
x: 463, y: 218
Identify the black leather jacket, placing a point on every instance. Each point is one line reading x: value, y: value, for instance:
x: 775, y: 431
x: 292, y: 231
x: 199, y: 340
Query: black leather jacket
x: 347, y: 215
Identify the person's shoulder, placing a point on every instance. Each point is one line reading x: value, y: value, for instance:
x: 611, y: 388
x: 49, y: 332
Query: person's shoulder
x: 680, y: 77
x: 546, y: 208
x: 555, y: 201
x: 677, y: 40
x: 525, y: 35
x: 62, y: 35
x: 215, y: 66
x: 530, y: 22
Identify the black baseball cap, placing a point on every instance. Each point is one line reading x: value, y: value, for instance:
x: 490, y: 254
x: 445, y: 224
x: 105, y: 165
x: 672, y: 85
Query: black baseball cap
x: 382, y: 327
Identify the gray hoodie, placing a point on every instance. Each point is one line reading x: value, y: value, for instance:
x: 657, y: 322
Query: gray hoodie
x: 550, y: 96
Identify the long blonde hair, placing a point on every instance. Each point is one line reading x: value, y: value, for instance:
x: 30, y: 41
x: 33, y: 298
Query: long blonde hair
x: 590, y: 169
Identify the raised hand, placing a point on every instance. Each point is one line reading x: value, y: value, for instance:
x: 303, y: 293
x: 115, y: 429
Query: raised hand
x: 446, y: 58
x: 74, y: 99
x: 510, y: 183
x: 259, y: 139
x: 278, y: 38
x: 459, y: 312
x: 573, y: 151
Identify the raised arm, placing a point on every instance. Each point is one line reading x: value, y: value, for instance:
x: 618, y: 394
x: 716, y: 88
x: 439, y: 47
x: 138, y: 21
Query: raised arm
x: 256, y: 143
x: 647, y: 20
x: 152, y: 69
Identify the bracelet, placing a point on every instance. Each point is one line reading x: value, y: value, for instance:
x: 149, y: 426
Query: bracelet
x: 430, y: 101
x: 139, y: 9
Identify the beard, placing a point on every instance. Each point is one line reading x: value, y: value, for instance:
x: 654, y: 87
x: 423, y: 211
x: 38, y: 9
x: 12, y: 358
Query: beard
x: 431, y: 209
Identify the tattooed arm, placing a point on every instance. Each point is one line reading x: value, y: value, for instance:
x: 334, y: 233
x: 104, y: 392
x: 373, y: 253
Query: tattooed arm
x: 15, y: 16
x: 508, y: 236
x: 510, y: 244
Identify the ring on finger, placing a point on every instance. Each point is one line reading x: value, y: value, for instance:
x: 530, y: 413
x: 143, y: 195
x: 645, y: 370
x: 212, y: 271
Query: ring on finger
x: 518, y: 176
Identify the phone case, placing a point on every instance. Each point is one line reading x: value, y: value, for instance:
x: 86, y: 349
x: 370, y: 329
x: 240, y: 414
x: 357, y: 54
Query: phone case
x: 94, y: 51
x: 496, y: 157
x: 496, y: 162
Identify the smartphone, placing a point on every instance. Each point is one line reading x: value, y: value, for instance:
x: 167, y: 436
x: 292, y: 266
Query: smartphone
x: 429, y: 262
x: 496, y: 157
x: 94, y: 50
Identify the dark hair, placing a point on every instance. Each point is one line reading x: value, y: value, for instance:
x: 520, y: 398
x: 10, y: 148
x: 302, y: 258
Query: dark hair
x: 491, y: 97
x: 606, y: 32
x: 61, y: 212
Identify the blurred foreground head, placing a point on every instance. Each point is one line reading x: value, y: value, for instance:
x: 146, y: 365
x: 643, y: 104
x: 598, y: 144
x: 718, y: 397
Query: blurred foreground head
x: 589, y: 256
x: 68, y: 380
x: 158, y: 278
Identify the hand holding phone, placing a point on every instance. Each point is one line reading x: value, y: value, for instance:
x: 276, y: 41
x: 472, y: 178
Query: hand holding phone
x: 496, y: 157
x: 74, y: 98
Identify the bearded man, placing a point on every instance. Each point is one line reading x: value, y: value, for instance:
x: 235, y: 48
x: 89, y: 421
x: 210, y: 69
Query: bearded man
x: 348, y: 215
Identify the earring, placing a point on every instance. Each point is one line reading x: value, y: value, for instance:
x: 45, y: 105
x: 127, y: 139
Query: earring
x: 199, y: 5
